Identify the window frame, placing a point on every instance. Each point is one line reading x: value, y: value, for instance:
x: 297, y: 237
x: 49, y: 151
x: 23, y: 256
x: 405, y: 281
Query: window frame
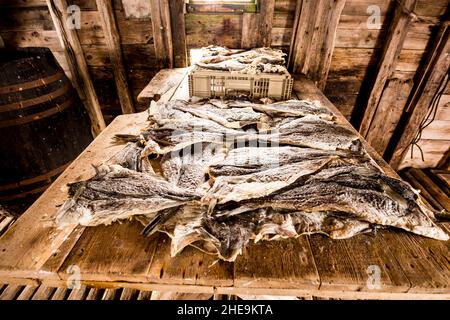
x: 222, y: 6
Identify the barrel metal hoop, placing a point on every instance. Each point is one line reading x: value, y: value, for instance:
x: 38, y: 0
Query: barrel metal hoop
x: 32, y: 102
x: 37, y: 116
x: 40, y: 178
x: 32, y: 84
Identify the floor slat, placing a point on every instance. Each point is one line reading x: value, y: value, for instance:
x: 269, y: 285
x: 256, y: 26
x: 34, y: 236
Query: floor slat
x: 27, y: 293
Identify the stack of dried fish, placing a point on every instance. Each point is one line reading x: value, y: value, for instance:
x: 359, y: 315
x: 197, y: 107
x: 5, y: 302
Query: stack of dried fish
x: 217, y: 174
x: 255, y: 61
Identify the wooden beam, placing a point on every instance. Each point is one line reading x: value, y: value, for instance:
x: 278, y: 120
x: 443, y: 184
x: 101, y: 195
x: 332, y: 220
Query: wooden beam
x: 177, y: 22
x: 112, y: 38
x: 267, y: 8
x: 430, y: 82
x: 77, y: 63
x: 390, y: 110
x: 257, y: 27
x: 162, y: 33
x: 315, y: 36
x: 444, y: 163
x: 393, y: 46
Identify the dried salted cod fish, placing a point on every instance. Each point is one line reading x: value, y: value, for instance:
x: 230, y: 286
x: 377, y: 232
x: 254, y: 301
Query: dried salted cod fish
x: 116, y: 193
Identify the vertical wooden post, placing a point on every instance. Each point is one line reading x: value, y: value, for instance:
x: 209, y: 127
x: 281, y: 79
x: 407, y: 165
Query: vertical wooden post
x: 177, y: 22
x: 112, y: 37
x: 77, y: 63
x: 267, y: 8
x: 257, y: 27
x: 393, y: 46
x: 314, y: 38
x: 162, y: 33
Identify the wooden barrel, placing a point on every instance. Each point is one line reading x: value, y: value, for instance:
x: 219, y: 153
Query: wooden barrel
x: 43, y: 123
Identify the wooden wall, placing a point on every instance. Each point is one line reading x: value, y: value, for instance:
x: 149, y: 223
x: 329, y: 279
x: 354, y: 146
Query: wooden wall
x: 435, y: 140
x: 205, y: 28
x: 355, y: 58
x: 28, y: 23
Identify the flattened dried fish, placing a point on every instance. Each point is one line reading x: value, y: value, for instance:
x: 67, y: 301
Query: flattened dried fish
x: 187, y: 168
x: 290, y: 108
x: 359, y: 191
x: 263, y: 183
x: 234, y: 118
x: 248, y: 160
x: 116, y: 193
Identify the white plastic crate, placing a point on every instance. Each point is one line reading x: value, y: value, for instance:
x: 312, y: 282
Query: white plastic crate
x: 212, y: 84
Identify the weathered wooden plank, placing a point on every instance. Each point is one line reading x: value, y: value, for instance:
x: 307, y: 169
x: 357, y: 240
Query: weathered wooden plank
x: 417, y: 261
x: 144, y: 295
x: 426, y: 196
x: 189, y: 267
x: 60, y: 293
x: 53, y: 264
x: 343, y: 265
x: 290, y: 264
x: 94, y: 294
x: 250, y: 32
x: 129, y: 294
x: 110, y: 294
x: 389, y: 112
x: 11, y: 292
x: 27, y: 293
x: 393, y: 46
x: 161, y: 83
x: 43, y: 293
x: 162, y: 33
x: 205, y: 29
x: 78, y: 294
x: 113, y: 42
x: 127, y: 258
x: 431, y: 78
x: 432, y: 188
x: 78, y: 67
x: 177, y: 15
x: 159, y: 295
x: 312, y: 51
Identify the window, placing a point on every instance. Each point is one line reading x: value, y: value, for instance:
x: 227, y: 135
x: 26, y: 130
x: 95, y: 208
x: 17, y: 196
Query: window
x: 229, y: 6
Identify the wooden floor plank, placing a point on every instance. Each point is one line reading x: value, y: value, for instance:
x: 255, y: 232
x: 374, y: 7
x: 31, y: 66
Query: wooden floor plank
x: 277, y: 264
x: 78, y: 294
x: 11, y: 292
x: 144, y: 295
x: 129, y: 294
x: 188, y: 267
x: 27, y: 293
x: 60, y: 293
x: 95, y: 294
x: 110, y: 294
x: 43, y: 293
x: 115, y: 252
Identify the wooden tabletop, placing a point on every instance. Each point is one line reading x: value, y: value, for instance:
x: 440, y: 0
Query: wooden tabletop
x: 33, y: 251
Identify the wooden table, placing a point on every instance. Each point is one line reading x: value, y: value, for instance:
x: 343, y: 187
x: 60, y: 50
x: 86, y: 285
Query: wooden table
x: 33, y: 252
